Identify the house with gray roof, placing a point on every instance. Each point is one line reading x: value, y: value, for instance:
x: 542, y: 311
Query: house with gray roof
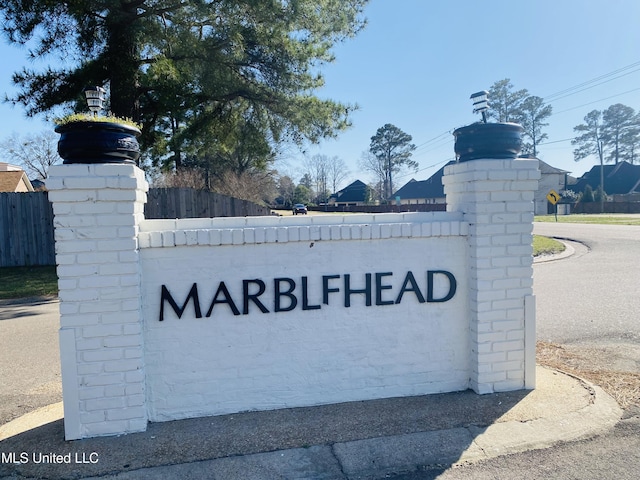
x: 355, y: 194
x: 622, y: 178
x: 417, y: 192
x: 431, y: 190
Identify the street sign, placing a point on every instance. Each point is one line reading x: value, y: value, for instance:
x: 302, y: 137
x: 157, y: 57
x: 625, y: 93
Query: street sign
x: 553, y: 197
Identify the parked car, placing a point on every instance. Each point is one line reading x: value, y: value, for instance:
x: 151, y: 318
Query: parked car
x: 299, y: 208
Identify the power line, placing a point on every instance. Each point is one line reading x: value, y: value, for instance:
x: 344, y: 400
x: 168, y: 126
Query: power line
x: 432, y: 140
x: 584, y: 105
x: 434, y: 147
x: 565, y: 92
x: 425, y: 168
x: 596, y: 101
x: 559, y: 141
x: 594, y: 82
x: 592, y: 86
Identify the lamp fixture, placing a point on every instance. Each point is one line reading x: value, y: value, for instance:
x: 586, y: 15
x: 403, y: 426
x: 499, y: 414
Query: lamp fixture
x: 95, y: 98
x: 481, y: 103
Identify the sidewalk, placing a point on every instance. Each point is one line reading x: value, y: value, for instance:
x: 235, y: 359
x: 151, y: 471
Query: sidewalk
x: 357, y: 440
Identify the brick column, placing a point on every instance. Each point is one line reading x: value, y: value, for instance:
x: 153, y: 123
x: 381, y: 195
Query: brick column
x: 496, y: 198
x: 97, y: 210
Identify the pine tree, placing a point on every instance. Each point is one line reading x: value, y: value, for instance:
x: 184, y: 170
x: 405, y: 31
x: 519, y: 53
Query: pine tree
x: 189, y: 70
x: 393, y: 149
x: 591, y: 142
x: 619, y: 124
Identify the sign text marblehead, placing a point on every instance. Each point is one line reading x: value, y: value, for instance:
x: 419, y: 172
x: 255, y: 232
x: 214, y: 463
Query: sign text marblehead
x: 284, y: 294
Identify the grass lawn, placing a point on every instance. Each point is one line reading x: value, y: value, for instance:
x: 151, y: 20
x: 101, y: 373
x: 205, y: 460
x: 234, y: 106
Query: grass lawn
x: 20, y: 282
x: 546, y: 246
x: 604, y: 219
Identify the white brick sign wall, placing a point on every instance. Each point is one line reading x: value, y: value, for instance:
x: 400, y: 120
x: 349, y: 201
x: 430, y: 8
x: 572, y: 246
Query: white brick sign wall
x: 171, y: 319
x: 338, y: 319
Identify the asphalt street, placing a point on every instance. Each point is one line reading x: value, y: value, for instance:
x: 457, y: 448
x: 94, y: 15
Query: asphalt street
x: 29, y: 357
x: 613, y: 456
x: 591, y: 300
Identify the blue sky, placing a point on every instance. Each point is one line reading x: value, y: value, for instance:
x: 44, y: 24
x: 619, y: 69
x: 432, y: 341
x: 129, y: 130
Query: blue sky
x: 418, y: 61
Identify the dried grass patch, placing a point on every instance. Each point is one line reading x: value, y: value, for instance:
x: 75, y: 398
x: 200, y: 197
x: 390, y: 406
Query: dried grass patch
x: 624, y: 387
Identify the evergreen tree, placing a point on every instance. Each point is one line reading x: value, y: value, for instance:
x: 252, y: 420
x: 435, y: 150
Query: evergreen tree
x: 619, y: 129
x: 302, y: 194
x: 630, y: 142
x: 591, y: 142
x: 587, y: 195
x: 393, y: 149
x: 509, y: 105
x: 505, y: 103
x: 189, y: 70
x: 532, y: 118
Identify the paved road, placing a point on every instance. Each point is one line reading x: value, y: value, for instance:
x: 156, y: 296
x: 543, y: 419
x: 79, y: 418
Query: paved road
x: 29, y: 358
x: 614, y: 456
x: 592, y: 300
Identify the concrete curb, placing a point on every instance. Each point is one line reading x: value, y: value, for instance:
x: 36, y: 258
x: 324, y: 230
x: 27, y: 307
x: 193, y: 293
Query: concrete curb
x: 514, y: 437
x: 31, y: 420
x: 566, y: 253
x: 564, y: 409
x: 28, y: 301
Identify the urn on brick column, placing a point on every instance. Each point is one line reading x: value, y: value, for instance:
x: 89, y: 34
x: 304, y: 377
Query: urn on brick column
x: 487, y: 140
x: 88, y: 139
x: 495, y: 191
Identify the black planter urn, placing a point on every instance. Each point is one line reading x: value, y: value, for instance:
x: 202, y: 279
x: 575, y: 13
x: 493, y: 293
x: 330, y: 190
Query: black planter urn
x: 98, y: 142
x: 488, y: 140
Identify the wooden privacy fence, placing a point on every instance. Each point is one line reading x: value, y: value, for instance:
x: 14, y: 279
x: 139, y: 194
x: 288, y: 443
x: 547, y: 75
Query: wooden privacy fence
x: 189, y: 203
x: 26, y: 219
x: 26, y: 230
x: 609, y: 207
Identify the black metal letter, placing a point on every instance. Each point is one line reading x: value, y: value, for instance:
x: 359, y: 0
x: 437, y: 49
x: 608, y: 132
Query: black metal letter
x: 305, y: 297
x: 414, y: 288
x: 453, y: 285
x: 253, y: 296
x: 380, y: 287
x: 348, y: 292
x: 325, y: 287
x: 288, y: 293
x: 193, y: 294
x: 222, y: 288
